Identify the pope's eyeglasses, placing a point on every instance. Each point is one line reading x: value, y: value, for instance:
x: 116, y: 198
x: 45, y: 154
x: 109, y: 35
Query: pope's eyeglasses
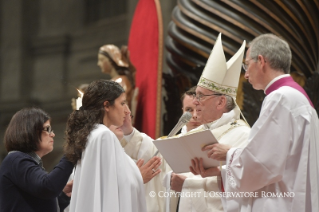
x: 200, y: 96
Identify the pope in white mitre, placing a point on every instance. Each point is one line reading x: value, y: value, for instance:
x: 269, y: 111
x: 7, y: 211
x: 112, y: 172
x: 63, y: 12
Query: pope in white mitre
x: 218, y: 112
x: 279, y: 168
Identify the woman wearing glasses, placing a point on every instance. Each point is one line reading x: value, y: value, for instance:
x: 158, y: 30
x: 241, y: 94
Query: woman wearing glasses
x: 24, y: 184
x: 106, y: 178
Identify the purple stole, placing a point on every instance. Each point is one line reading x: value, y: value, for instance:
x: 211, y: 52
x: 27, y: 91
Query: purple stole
x: 287, y: 81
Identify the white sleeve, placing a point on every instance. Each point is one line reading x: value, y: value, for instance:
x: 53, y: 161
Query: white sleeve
x: 139, y: 145
x: 199, y: 194
x: 268, y: 137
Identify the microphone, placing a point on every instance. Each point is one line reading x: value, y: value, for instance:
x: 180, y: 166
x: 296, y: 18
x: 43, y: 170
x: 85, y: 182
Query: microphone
x: 183, y: 120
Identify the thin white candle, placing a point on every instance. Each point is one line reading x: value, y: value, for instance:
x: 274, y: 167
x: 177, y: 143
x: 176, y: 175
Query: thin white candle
x: 79, y: 100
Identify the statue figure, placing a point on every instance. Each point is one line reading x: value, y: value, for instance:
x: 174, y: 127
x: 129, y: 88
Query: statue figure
x: 117, y: 64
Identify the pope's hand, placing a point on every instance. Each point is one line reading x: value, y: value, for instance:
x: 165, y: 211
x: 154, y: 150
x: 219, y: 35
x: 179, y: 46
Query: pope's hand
x: 217, y: 151
x: 127, y: 127
x: 197, y: 168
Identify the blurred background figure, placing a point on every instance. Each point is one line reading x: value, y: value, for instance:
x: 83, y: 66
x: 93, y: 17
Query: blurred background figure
x: 24, y: 184
x: 188, y: 106
x: 117, y: 64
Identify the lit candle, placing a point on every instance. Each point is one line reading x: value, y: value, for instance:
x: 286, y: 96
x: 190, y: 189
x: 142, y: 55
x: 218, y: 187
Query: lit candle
x: 118, y: 80
x: 79, y: 100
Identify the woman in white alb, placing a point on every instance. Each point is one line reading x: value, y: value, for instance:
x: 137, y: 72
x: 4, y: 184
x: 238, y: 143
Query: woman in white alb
x: 105, y: 179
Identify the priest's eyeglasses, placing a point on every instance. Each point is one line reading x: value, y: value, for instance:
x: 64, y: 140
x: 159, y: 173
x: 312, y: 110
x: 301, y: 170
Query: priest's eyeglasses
x: 245, y: 64
x: 48, y: 129
x: 200, y: 96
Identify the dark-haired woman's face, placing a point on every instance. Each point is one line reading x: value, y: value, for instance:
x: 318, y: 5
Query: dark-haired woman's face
x: 46, y: 143
x: 117, y: 112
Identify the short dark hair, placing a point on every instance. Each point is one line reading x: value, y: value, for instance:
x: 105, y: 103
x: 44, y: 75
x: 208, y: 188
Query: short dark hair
x: 189, y: 92
x: 24, y: 130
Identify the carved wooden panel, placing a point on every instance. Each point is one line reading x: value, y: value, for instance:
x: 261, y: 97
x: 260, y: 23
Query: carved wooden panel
x: 312, y: 89
x: 196, y: 24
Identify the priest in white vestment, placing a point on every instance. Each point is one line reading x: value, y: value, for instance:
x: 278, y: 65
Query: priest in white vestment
x: 217, y: 111
x: 280, y: 165
x: 138, y: 145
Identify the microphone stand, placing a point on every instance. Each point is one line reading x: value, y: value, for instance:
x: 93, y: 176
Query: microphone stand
x: 183, y: 120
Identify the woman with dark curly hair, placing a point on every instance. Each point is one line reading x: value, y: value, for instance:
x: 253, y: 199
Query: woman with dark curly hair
x: 106, y: 178
x: 24, y: 185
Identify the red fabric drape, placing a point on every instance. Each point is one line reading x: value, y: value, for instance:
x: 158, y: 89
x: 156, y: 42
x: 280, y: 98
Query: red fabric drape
x: 145, y: 47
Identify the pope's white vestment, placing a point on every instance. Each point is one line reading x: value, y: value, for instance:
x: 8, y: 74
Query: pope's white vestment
x: 140, y: 146
x: 281, y: 162
x: 200, y: 194
x: 106, y: 178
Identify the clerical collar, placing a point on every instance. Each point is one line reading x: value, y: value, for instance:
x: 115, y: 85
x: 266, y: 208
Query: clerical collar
x: 274, y: 80
x: 287, y: 81
x: 227, y: 117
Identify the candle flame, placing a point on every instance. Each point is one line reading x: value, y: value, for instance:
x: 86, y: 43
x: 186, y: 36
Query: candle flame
x: 119, y: 80
x: 78, y: 102
x: 81, y: 93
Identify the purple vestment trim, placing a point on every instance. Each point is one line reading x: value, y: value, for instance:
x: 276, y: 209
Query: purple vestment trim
x: 287, y: 81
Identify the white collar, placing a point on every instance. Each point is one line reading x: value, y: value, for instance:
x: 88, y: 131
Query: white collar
x: 184, y: 130
x: 230, y: 116
x: 275, y: 79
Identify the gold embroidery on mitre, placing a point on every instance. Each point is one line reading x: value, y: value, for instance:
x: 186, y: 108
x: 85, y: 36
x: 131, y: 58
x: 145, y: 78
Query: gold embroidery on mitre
x: 213, y: 86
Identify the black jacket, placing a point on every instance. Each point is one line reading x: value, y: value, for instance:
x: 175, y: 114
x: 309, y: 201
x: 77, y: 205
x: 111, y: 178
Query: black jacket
x: 25, y: 186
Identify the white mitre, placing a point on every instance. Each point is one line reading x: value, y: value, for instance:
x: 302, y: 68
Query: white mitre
x: 219, y: 76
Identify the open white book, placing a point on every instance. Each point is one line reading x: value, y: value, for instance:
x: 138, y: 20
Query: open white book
x: 179, y: 151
